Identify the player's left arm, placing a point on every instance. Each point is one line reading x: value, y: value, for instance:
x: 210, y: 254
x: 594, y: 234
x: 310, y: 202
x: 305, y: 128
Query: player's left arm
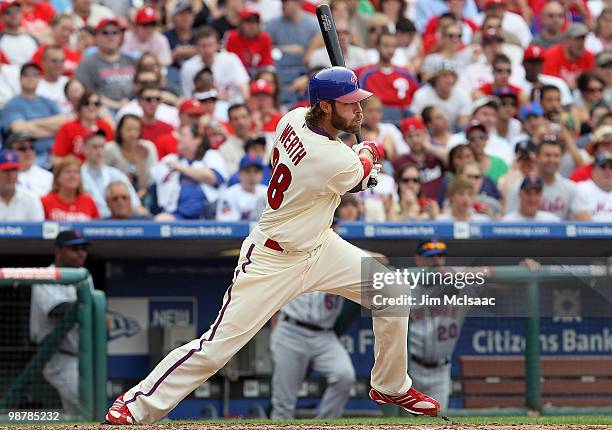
x: 369, y: 155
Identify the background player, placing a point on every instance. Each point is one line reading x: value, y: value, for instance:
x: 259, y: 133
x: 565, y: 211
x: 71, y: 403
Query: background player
x: 303, y: 337
x: 292, y: 251
x: 47, y: 307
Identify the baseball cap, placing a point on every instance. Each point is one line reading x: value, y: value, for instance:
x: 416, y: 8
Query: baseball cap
x: 181, y: 6
x: 261, y: 86
x: 533, y: 52
x: 474, y: 124
x: 70, y: 238
x: 8, y: 160
x: 492, y: 35
x: 532, y: 181
x: 429, y: 248
x: 603, y: 58
x: 28, y: 66
x: 191, y: 107
x: 91, y: 133
x: 532, y: 109
x: 505, y: 92
x: 251, y: 161
x: 490, y: 3
x: 255, y: 141
x: 444, y: 66
x: 206, y: 95
x: 484, y: 101
x: 411, y: 124
x: 18, y: 137
x: 5, y: 4
x: 524, y: 149
x: 146, y: 15
x: 601, y: 134
x: 109, y: 21
x: 577, y: 29
x: 602, y: 159
x: 248, y: 13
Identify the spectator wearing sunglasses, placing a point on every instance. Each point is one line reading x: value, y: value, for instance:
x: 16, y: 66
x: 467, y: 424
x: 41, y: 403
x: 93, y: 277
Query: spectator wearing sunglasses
x: 70, y: 136
x: 119, y: 201
x: 478, y: 138
x: 31, y: 176
x: 411, y: 204
x: 145, y: 37
x: 108, y: 72
x: 149, y: 99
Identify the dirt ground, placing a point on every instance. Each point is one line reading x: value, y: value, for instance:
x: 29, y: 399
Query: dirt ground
x: 409, y: 426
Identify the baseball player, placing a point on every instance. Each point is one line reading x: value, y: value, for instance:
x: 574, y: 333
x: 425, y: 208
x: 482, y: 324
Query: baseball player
x: 434, y: 331
x: 47, y: 306
x: 291, y: 251
x: 304, y: 336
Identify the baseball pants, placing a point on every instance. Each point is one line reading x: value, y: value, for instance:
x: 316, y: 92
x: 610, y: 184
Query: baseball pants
x: 62, y: 372
x: 293, y: 350
x: 264, y: 281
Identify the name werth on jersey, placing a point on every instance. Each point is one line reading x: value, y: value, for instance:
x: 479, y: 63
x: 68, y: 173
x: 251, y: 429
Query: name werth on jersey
x: 292, y: 145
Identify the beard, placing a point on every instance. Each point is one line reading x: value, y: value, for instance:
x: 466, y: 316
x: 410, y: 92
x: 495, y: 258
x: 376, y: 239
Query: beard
x: 342, y: 124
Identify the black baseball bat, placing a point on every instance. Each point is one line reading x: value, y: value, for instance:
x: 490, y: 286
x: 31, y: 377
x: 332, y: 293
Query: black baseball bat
x: 330, y: 37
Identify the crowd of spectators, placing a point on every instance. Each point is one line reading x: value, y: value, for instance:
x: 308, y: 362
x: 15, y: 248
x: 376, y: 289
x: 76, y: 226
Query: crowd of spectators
x: 487, y: 110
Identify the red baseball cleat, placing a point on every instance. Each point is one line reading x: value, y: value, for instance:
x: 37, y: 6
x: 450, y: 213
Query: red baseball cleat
x: 413, y: 401
x: 119, y: 414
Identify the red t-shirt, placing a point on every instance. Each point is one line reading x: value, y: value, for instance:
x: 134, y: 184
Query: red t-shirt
x: 69, y: 138
x: 252, y: 52
x: 272, y: 122
x: 152, y: 131
x: 582, y: 173
x: 557, y: 64
x: 394, y: 86
x: 83, y: 208
x: 37, y: 18
x: 71, y: 59
x: 166, y: 144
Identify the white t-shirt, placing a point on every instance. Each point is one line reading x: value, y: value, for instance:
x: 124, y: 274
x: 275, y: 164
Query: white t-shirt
x: 18, y: 48
x: 356, y: 57
x: 497, y: 146
x: 237, y: 204
x: 458, y: 104
x: 540, y: 216
x: 599, y: 202
x: 560, y: 198
x: 55, y: 92
x: 10, y: 86
x: 566, y: 95
x: 166, y: 113
x: 36, y: 180
x: 514, y: 130
x: 24, y: 206
x: 391, y: 131
x: 315, y: 171
x: 228, y: 72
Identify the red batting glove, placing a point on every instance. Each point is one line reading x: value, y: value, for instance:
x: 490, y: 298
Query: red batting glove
x: 372, y: 148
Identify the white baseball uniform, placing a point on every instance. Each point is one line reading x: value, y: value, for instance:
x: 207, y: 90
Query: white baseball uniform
x: 304, y: 337
x: 291, y: 251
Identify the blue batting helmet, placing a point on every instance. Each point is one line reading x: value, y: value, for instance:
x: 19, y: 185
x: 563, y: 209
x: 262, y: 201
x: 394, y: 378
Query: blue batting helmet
x: 335, y: 83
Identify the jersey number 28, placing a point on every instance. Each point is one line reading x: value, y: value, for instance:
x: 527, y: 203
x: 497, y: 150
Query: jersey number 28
x: 279, y: 182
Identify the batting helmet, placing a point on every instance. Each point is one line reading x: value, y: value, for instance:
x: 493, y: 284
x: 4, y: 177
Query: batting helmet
x: 336, y: 83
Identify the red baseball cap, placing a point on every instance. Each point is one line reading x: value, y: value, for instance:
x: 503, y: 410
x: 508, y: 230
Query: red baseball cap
x: 489, y: 3
x: 191, y: 107
x: 533, y: 52
x: 261, y: 86
x: 9, y: 160
x: 247, y: 13
x: 5, y: 4
x: 109, y: 21
x: 411, y: 124
x: 146, y: 15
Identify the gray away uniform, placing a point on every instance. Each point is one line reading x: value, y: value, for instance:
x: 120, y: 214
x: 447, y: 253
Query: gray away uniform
x: 304, y: 336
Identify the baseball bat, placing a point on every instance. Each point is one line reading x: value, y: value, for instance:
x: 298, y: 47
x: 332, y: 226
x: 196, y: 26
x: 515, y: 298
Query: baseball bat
x: 332, y: 45
x: 330, y: 37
